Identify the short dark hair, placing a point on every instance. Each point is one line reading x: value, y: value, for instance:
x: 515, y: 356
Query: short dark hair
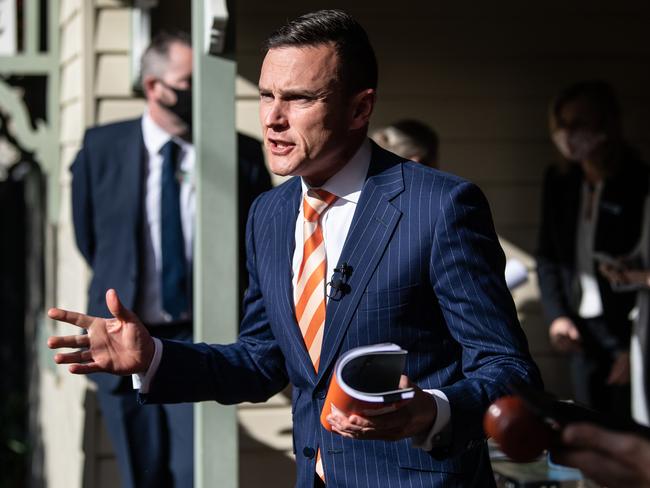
x: 357, y: 61
x: 601, y: 96
x: 157, y: 53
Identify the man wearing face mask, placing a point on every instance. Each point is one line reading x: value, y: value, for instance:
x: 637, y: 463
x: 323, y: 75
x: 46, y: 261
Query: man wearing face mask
x: 133, y: 202
x: 591, y: 211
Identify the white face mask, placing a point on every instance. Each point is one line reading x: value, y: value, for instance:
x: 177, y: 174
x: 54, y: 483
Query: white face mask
x: 577, y: 145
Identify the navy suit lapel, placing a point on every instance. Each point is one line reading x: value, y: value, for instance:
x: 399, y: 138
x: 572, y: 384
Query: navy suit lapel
x: 283, y: 249
x: 372, y: 226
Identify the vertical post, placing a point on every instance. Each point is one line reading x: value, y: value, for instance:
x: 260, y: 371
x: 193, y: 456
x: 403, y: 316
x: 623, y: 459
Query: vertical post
x: 32, y: 27
x: 53, y: 109
x: 215, y: 252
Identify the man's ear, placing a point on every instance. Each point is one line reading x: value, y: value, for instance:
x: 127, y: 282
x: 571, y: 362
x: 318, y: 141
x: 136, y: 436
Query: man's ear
x: 149, y: 86
x: 362, y: 105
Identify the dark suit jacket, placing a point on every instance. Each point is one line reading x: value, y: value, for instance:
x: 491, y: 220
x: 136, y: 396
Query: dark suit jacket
x: 617, y: 233
x: 427, y: 275
x: 108, y: 202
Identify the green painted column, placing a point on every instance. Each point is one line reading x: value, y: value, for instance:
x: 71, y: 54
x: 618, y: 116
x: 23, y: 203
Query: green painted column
x: 215, y: 252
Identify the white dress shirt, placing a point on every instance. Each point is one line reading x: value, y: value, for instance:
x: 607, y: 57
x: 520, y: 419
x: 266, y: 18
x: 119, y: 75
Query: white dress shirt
x: 591, y: 304
x: 335, y: 220
x: 149, y: 303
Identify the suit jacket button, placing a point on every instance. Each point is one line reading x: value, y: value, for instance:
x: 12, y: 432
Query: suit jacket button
x: 309, y: 452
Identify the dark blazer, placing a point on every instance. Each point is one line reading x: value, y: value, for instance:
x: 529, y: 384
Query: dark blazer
x: 427, y: 275
x: 108, y: 208
x: 617, y: 233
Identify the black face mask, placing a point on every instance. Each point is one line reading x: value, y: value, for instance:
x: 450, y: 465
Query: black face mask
x: 183, y: 106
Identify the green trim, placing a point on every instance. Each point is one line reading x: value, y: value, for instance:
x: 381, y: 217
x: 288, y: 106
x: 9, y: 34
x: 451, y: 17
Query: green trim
x: 215, y: 251
x: 53, y: 111
x: 26, y: 64
x: 36, y: 140
x: 31, y: 33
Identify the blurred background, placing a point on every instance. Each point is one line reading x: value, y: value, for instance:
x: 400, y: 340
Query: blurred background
x: 481, y: 73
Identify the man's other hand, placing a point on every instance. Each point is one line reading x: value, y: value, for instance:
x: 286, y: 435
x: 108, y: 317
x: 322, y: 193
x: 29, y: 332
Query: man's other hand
x: 120, y: 345
x: 416, y: 417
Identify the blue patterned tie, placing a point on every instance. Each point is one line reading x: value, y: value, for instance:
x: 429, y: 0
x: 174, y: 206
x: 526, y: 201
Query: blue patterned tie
x: 174, y: 272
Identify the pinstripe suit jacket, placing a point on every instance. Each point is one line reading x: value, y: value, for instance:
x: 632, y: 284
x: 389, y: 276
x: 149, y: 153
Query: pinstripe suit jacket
x: 427, y: 275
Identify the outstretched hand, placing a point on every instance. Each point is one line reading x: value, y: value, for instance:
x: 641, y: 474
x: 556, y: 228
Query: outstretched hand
x: 119, y: 345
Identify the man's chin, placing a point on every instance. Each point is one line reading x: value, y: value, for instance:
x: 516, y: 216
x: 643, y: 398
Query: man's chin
x: 282, y: 168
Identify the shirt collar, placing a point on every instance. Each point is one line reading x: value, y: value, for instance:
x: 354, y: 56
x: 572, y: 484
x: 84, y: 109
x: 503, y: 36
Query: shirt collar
x: 155, y: 137
x: 348, y: 182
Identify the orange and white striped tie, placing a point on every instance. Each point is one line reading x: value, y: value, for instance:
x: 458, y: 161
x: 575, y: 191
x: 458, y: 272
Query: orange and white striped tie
x: 310, y: 286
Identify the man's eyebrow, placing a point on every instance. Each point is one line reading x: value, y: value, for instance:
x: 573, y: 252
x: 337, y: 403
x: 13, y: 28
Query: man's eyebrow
x: 296, y: 92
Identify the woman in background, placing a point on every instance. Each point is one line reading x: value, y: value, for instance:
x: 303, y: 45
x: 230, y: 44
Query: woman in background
x: 591, y: 210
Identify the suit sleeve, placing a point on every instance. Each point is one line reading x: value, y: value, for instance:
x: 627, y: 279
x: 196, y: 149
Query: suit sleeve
x: 467, y: 273
x: 553, y: 295
x: 252, y: 369
x: 82, y: 204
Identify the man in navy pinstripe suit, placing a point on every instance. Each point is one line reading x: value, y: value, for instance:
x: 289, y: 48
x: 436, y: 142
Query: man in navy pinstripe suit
x: 426, y: 273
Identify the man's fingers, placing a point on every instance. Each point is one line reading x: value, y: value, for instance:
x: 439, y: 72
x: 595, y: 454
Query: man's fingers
x: 75, y: 341
x: 73, y: 357
x: 404, y: 382
x: 74, y: 318
x: 351, y: 424
x: 370, y: 433
x: 119, y: 311
x: 381, y: 422
x: 85, y: 368
x: 384, y: 426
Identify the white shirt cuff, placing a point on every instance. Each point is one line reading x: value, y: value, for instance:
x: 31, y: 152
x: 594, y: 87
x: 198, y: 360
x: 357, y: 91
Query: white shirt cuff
x: 426, y: 440
x: 143, y: 381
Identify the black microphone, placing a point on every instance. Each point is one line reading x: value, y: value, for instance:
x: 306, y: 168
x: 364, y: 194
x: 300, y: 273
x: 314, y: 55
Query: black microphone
x: 345, y: 270
x: 338, y: 284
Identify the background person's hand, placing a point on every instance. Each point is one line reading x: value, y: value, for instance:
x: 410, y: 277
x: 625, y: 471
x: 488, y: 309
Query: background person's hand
x: 614, y: 274
x: 416, y: 417
x: 564, y: 335
x: 620, y: 372
x: 636, y: 277
x: 121, y: 345
x: 612, y: 459
x: 618, y: 276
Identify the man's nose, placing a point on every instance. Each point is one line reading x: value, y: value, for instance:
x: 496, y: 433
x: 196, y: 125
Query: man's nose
x: 275, y: 115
